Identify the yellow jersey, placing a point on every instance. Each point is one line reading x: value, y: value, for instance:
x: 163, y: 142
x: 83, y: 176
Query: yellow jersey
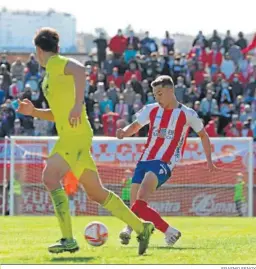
x: 59, y: 90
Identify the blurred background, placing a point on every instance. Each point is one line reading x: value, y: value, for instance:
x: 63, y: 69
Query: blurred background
x: 208, y: 49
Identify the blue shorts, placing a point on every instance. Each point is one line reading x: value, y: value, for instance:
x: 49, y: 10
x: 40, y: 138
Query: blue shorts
x: 159, y: 168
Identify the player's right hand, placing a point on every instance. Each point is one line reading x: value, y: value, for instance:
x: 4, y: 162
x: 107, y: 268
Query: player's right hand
x: 25, y: 107
x: 120, y: 133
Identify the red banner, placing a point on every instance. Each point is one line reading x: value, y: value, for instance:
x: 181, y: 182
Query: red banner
x: 180, y: 201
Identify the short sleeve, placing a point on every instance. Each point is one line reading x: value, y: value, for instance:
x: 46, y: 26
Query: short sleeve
x: 142, y: 116
x: 56, y: 65
x: 194, y: 121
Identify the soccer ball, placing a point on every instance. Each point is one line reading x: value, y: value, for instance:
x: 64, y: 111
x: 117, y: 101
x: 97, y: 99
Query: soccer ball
x: 96, y: 233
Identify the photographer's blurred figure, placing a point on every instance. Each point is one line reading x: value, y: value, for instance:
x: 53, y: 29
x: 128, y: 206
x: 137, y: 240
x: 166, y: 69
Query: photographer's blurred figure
x: 239, y: 193
x: 126, y: 191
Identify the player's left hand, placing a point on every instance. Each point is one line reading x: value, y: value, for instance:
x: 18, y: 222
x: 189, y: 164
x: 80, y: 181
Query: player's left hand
x: 75, y: 115
x: 212, y: 167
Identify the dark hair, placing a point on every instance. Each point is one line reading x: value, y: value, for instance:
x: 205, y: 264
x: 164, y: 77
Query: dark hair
x: 47, y: 39
x: 163, y: 81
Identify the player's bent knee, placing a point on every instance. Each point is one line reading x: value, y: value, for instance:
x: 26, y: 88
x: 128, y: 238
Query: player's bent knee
x: 50, y: 178
x: 99, y: 196
x: 54, y: 171
x: 150, y: 176
x: 93, y: 187
x: 93, y: 197
x: 150, y: 181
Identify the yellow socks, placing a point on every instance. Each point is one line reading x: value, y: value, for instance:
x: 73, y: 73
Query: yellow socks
x: 61, y: 206
x: 115, y: 205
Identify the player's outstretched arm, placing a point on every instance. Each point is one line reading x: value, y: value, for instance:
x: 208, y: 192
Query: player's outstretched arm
x: 27, y: 108
x: 129, y: 130
x: 142, y: 118
x: 207, y: 148
x: 197, y: 125
x: 43, y: 114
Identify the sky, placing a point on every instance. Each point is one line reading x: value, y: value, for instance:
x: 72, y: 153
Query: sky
x: 180, y: 16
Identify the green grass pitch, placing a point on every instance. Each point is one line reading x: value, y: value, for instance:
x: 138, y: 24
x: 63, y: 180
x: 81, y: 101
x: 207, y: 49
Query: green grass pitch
x: 204, y: 241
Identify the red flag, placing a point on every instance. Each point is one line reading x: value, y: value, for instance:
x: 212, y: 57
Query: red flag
x: 251, y: 46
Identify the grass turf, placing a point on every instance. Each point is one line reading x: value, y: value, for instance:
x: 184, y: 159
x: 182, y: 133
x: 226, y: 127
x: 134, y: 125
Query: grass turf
x: 204, y: 241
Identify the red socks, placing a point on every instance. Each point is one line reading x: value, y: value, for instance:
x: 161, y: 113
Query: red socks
x: 142, y: 210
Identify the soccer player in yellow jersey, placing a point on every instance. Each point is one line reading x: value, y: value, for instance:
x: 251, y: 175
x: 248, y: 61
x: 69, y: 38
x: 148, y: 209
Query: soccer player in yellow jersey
x: 63, y: 87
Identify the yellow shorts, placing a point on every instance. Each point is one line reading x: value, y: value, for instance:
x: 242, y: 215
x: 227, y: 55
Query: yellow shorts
x: 75, y: 150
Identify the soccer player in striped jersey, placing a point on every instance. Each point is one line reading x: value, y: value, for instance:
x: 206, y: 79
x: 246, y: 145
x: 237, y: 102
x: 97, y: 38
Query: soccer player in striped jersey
x: 169, y: 124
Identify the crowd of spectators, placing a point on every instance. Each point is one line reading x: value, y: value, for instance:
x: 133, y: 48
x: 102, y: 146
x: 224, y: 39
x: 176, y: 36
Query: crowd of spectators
x: 21, y: 80
x: 217, y: 78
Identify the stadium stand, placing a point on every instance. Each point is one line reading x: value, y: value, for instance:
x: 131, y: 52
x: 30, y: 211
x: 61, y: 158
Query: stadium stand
x: 217, y: 77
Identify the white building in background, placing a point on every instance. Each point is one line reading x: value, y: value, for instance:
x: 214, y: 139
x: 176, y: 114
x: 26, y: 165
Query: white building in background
x: 17, y: 29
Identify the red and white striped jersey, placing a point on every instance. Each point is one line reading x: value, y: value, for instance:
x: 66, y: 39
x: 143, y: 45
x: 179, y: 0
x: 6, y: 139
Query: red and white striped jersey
x: 168, y: 131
